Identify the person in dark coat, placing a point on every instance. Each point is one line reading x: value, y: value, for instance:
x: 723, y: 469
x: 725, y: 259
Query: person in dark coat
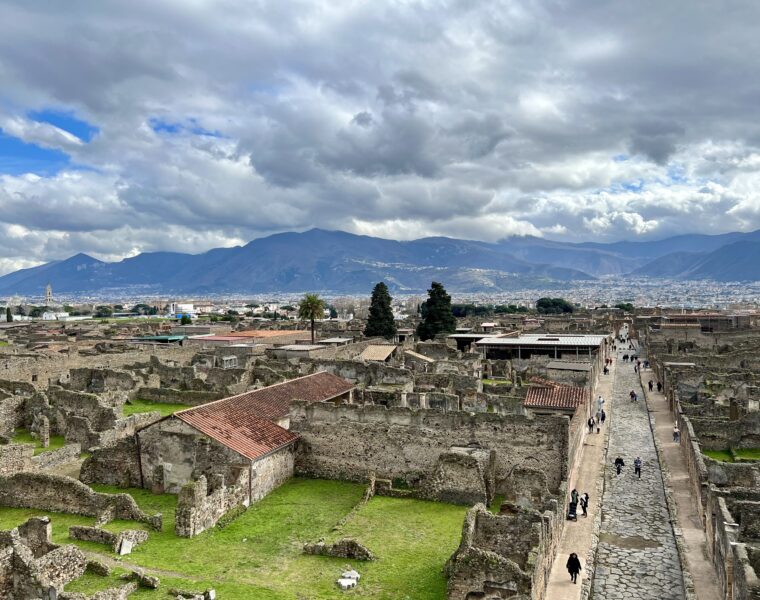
x: 603, y: 418
x: 659, y: 386
x: 637, y: 467
x: 573, y: 566
x: 651, y: 385
x: 619, y: 464
x: 574, y: 496
x: 584, y: 504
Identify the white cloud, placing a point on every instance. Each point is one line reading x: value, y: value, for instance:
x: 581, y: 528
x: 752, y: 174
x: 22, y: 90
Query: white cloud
x: 571, y: 120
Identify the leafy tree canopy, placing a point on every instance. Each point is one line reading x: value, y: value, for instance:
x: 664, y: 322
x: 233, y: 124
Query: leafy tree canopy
x: 626, y: 306
x: 554, y: 306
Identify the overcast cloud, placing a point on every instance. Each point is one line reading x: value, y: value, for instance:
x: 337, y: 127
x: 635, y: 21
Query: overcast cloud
x: 185, y: 125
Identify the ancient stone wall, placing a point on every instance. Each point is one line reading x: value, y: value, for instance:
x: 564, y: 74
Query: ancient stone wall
x: 173, y: 396
x: 198, y: 508
x: 113, y: 465
x: 172, y: 454
x: 64, y: 494
x: 53, y: 459
x: 15, y: 458
x: 270, y: 472
x: 506, y: 555
x: 348, y: 442
x: 11, y: 414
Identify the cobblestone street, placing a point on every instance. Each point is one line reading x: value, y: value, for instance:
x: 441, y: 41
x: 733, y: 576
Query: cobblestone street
x: 637, y: 557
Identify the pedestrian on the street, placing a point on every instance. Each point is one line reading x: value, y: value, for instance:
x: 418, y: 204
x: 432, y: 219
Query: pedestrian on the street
x: 659, y: 386
x: 619, y: 464
x: 573, y: 566
x: 676, y: 433
x: 584, y: 504
x: 633, y: 396
x: 606, y: 371
x: 604, y: 416
x: 637, y: 467
x: 591, y: 424
x: 574, y: 496
x: 635, y: 368
x: 651, y: 385
x: 600, y: 402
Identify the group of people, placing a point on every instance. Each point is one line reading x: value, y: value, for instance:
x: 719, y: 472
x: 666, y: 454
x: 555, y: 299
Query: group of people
x: 651, y: 386
x: 576, y: 499
x: 620, y: 463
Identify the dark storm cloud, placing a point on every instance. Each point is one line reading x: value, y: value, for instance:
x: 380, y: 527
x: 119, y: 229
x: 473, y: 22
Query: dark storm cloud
x: 217, y: 123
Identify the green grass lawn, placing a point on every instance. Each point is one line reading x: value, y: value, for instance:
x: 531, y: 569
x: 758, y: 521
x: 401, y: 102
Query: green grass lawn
x: 143, y: 406
x: 258, y: 556
x: 722, y: 455
x: 22, y: 436
x: 747, y: 453
x: 3, y: 343
x: 497, y: 382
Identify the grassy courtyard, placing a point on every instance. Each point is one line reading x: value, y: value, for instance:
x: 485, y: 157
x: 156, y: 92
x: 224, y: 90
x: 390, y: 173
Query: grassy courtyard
x: 22, y: 436
x: 144, y: 406
x: 729, y: 455
x: 258, y: 556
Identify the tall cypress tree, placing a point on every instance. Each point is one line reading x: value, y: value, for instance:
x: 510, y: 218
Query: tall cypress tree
x: 437, y: 315
x: 8, y: 314
x: 380, y: 322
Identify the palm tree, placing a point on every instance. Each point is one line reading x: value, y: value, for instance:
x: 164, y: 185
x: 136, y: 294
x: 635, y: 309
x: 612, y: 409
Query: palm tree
x: 311, y: 307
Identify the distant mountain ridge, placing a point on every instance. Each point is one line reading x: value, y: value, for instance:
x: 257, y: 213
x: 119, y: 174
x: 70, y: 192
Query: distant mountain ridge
x: 345, y: 263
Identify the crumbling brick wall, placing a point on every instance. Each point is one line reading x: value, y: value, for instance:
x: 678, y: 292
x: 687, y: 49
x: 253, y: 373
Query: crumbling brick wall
x: 198, y: 508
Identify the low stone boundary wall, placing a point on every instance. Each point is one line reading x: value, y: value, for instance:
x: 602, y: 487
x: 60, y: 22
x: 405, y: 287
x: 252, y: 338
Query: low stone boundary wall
x: 344, y: 548
x: 58, y: 493
x: 55, y: 458
x: 173, y: 396
x: 121, y: 543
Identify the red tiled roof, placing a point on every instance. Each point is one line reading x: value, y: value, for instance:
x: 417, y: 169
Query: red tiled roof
x: 559, y: 397
x: 244, y: 422
x: 237, y: 429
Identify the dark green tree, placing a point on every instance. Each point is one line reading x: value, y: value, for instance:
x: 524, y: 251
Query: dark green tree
x: 311, y: 308
x: 36, y: 312
x: 553, y: 306
x: 8, y: 314
x: 625, y: 306
x: 185, y: 320
x: 380, y: 322
x: 437, y: 315
x: 103, y: 311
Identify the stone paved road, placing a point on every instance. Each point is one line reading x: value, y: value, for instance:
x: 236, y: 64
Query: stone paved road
x: 637, y: 557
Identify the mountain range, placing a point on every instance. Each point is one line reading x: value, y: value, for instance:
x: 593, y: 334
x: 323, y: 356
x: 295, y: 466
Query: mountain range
x: 344, y: 263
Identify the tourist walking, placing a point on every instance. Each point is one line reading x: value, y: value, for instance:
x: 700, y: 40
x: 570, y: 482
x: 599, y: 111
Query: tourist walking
x: 603, y: 417
x: 619, y: 464
x: 637, y: 467
x: 600, y: 403
x: 633, y: 396
x: 573, y: 566
x: 574, y: 496
x: 659, y: 386
x: 591, y: 424
x: 651, y: 385
x: 676, y: 433
x: 584, y: 504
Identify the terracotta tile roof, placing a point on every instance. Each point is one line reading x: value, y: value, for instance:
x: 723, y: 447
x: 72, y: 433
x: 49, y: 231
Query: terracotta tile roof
x: 559, y: 397
x: 377, y: 351
x: 239, y: 430
x: 245, y: 423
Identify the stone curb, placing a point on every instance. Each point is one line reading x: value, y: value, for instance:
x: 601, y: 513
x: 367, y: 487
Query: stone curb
x: 590, y: 564
x: 688, y: 582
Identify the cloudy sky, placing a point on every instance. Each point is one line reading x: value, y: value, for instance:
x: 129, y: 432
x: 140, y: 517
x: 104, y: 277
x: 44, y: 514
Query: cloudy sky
x: 186, y: 125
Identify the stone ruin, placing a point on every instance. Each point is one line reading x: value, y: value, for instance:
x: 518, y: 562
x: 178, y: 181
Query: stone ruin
x: 343, y: 548
x: 32, y: 567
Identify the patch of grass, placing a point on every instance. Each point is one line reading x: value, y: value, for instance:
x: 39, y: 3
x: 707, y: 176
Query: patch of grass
x: 747, y: 453
x: 496, y: 503
x: 258, y: 555
x: 721, y: 455
x: 22, y: 436
x: 497, y: 382
x: 3, y: 343
x: 144, y: 406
